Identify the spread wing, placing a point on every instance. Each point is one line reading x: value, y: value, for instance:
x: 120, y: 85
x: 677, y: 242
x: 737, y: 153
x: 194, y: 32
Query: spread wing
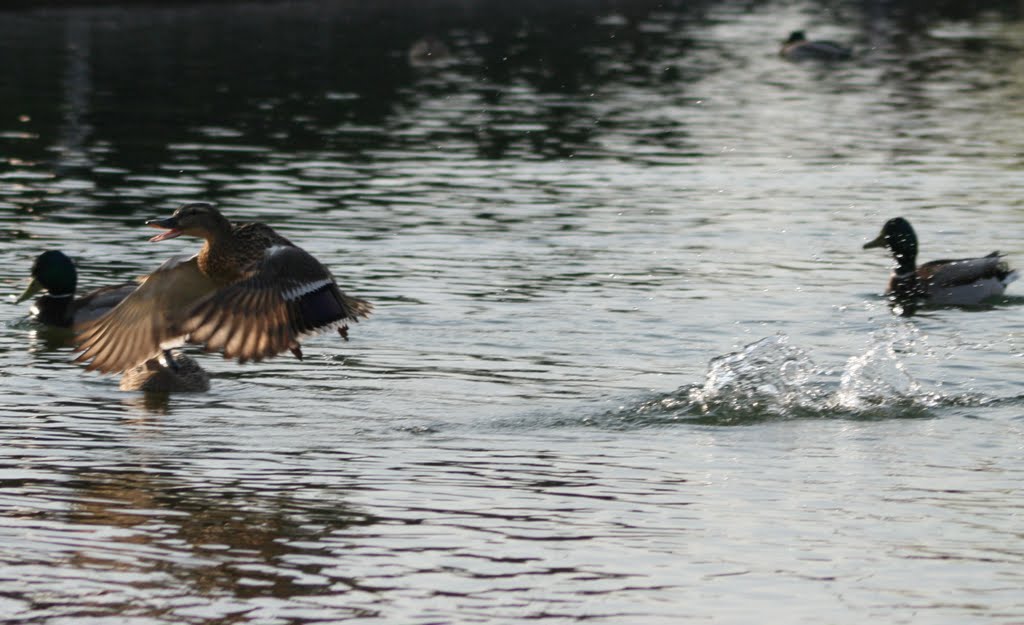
x: 949, y: 273
x: 282, y: 297
x: 95, y: 304
x: 149, y: 317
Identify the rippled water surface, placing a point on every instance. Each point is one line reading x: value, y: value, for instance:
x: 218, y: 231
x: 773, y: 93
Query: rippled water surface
x: 628, y: 363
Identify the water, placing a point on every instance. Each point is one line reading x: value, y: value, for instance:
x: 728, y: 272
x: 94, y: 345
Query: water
x: 628, y: 363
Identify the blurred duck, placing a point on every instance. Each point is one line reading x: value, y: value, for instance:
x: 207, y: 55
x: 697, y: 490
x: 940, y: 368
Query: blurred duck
x: 55, y: 273
x: 428, y: 51
x: 249, y: 293
x: 799, y: 48
x: 182, y: 374
x: 962, y: 282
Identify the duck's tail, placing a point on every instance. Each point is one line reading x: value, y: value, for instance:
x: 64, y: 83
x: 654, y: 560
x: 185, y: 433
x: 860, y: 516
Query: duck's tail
x: 1003, y: 272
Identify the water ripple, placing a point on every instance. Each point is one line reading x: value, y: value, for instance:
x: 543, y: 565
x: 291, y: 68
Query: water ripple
x: 577, y: 224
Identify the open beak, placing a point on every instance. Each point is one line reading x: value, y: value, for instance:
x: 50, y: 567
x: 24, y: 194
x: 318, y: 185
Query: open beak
x: 33, y: 288
x: 879, y: 242
x: 170, y: 225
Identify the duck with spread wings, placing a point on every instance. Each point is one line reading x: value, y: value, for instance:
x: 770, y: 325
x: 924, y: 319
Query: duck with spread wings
x: 249, y: 293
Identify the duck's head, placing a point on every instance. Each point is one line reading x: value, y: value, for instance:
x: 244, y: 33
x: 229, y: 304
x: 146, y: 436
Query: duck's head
x: 198, y: 219
x: 53, y: 272
x: 795, y: 37
x: 899, y: 238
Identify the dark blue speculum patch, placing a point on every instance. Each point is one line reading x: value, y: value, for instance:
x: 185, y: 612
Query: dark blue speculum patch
x: 317, y: 309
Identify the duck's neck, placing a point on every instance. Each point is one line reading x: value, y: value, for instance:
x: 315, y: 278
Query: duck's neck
x: 905, y: 288
x: 216, y: 240
x: 218, y: 230
x: 215, y: 259
x: 55, y: 310
x: 906, y: 263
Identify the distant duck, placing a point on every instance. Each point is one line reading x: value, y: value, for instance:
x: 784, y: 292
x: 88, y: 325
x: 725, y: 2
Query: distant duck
x: 428, y: 51
x: 55, y: 273
x: 799, y: 48
x: 962, y: 282
x: 249, y: 293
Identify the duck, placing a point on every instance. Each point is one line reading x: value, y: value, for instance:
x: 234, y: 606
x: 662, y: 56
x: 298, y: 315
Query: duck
x: 249, y: 294
x: 799, y: 48
x: 428, y: 51
x: 55, y: 273
x: 180, y: 374
x: 960, y: 282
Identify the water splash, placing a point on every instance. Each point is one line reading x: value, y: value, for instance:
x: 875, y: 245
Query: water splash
x: 876, y: 378
x: 773, y: 379
x: 768, y: 377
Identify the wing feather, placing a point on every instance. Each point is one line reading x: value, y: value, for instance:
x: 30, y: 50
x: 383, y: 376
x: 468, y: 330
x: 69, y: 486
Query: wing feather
x: 949, y: 273
x: 95, y: 304
x: 282, y: 297
x: 133, y: 331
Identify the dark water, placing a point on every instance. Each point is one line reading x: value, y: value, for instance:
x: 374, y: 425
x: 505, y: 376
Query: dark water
x: 628, y: 363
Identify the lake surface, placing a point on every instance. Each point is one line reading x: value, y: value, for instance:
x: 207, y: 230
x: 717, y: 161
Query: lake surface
x: 628, y: 363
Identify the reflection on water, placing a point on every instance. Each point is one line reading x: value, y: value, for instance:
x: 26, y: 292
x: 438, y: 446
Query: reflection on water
x: 534, y: 531
x: 146, y: 525
x: 543, y: 80
x: 564, y: 211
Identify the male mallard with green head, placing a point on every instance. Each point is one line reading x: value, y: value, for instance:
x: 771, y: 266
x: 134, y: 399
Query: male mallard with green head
x: 961, y: 282
x: 55, y: 273
x: 249, y: 293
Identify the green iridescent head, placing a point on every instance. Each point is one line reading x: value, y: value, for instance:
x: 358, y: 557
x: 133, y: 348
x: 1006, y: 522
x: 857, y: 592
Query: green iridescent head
x: 53, y: 272
x: 898, y: 236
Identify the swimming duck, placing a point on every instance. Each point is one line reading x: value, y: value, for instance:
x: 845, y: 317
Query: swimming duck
x: 55, y: 273
x: 799, y: 48
x: 182, y: 374
x: 428, y: 51
x: 249, y: 293
x: 962, y: 282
